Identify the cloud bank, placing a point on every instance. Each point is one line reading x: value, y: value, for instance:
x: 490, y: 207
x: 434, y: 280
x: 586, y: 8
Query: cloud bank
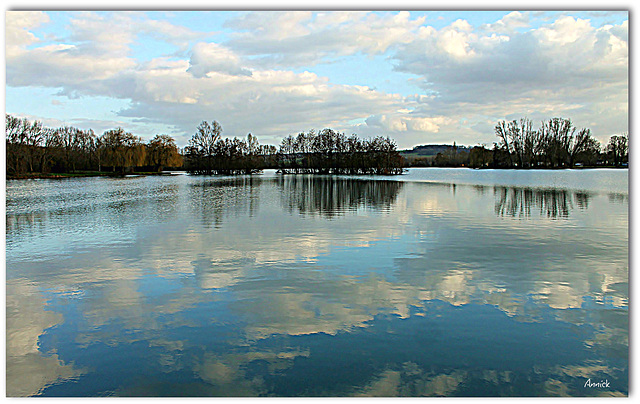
x: 260, y: 77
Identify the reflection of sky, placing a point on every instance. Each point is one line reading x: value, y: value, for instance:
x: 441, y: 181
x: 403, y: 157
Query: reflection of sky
x: 422, y: 289
x: 592, y: 180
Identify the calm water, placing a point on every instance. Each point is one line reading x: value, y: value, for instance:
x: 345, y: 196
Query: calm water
x: 440, y: 282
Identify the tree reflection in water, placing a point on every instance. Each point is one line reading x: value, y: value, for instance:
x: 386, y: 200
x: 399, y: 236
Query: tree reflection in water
x: 306, y: 194
x: 552, y: 203
x: 217, y: 198
x: 618, y: 198
x: 332, y: 196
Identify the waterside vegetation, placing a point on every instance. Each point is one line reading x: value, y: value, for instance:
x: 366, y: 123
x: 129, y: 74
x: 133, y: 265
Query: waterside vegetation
x: 323, y: 152
x: 557, y: 143
x: 35, y: 151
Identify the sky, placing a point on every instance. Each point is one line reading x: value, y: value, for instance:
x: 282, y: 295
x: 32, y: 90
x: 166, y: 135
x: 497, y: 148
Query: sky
x: 419, y: 77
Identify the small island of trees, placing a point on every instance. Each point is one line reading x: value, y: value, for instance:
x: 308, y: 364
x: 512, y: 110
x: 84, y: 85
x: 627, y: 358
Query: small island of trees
x: 35, y: 150
x: 323, y: 152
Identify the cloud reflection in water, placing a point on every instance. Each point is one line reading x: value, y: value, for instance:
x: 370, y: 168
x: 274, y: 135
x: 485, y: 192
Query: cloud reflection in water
x: 316, y: 286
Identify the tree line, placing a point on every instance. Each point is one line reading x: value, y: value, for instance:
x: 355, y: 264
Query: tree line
x: 323, y: 152
x: 557, y: 143
x: 33, y: 148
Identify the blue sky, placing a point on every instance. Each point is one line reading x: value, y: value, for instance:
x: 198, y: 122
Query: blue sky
x: 418, y: 77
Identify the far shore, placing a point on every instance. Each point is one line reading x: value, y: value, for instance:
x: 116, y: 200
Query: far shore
x: 81, y: 174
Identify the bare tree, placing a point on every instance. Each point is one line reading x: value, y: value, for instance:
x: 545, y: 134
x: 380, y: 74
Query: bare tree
x: 202, y: 145
x: 618, y: 147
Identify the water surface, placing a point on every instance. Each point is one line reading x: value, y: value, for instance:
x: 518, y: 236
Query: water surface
x: 440, y: 282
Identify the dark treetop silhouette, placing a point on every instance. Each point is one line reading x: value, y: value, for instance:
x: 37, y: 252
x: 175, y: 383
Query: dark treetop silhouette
x: 34, y: 149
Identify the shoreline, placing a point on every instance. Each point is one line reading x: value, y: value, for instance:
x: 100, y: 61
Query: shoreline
x: 59, y: 176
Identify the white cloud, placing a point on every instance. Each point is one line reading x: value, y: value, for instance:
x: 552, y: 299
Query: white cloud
x: 269, y: 102
x: 17, y: 26
x: 563, y: 31
x: 455, y: 39
x: 274, y: 25
x: 211, y: 57
x: 331, y: 19
x: 567, y: 66
x: 97, y: 34
x: 96, y: 51
x: 167, y: 31
x: 304, y: 39
x: 214, y: 84
x: 509, y: 23
x: 428, y: 124
x: 403, y: 122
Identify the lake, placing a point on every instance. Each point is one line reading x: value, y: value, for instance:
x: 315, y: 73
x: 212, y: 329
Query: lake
x: 439, y: 282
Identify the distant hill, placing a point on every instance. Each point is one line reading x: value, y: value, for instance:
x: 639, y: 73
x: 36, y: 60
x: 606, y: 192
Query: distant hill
x: 431, y: 150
